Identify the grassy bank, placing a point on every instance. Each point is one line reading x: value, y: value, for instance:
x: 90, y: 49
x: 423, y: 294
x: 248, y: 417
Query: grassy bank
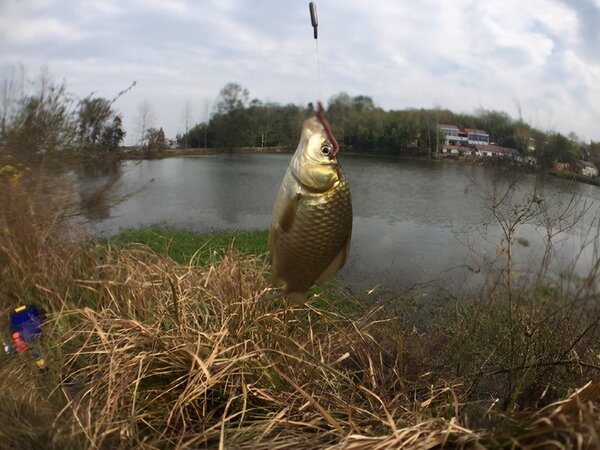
x: 165, y: 339
x: 185, y: 246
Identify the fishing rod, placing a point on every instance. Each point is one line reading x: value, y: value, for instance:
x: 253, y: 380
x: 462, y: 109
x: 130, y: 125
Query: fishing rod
x: 314, y: 20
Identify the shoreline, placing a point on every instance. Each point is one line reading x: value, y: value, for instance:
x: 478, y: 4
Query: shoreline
x: 132, y: 155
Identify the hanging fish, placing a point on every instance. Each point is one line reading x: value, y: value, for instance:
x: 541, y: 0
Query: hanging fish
x: 309, y: 238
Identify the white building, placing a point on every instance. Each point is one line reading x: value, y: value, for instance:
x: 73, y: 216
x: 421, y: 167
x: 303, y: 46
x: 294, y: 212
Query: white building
x: 497, y: 151
x: 588, y: 169
x: 453, y: 135
x: 477, y: 137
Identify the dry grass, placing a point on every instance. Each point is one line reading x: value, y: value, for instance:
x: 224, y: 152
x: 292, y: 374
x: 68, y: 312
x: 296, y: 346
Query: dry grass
x: 570, y: 423
x: 186, y: 356
x: 145, y: 352
x: 40, y: 253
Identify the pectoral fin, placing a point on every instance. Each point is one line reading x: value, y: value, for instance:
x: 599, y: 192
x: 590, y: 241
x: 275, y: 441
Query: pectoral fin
x: 289, y: 214
x: 282, y: 225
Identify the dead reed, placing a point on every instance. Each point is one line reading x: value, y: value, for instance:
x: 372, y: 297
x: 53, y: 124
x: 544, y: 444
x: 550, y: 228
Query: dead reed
x: 145, y: 352
x: 187, y: 356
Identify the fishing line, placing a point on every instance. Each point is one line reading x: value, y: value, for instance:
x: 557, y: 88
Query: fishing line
x: 314, y: 21
x: 318, y: 71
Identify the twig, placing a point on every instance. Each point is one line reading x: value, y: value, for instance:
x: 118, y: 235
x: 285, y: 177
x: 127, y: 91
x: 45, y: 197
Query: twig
x: 546, y: 364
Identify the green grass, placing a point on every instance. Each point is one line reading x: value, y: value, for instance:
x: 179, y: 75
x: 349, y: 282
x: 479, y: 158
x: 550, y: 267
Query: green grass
x: 185, y: 246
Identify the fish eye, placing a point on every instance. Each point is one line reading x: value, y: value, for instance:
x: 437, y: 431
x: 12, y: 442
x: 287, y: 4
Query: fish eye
x: 326, y: 150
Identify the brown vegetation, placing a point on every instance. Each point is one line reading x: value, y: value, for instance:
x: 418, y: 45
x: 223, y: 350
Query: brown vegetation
x: 145, y: 352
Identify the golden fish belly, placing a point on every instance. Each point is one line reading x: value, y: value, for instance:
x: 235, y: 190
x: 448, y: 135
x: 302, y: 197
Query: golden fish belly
x: 317, y: 237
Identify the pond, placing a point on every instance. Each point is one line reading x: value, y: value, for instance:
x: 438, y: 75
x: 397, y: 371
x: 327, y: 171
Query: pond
x: 417, y: 224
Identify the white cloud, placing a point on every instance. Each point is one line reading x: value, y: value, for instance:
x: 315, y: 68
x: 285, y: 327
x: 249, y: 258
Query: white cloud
x: 169, y: 7
x: 39, y: 29
x: 459, y: 54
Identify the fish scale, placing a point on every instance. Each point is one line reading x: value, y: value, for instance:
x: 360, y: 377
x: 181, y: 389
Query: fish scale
x: 315, y: 238
x: 315, y: 235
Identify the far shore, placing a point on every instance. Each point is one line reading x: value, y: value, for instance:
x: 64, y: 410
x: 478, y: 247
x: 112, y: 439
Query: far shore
x: 131, y: 154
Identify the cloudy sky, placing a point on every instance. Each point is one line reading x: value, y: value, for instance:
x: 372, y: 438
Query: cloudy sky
x: 542, y: 56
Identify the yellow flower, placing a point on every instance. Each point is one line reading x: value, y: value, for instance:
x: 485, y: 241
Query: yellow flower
x: 15, y: 179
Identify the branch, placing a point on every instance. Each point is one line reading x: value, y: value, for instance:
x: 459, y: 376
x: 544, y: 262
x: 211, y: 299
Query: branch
x: 546, y: 364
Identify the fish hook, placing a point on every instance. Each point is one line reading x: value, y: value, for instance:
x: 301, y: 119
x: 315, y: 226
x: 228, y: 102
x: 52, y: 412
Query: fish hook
x: 321, y: 118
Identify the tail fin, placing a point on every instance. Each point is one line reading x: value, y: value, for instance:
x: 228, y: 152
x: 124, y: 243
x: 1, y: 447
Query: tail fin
x: 297, y: 298
x: 274, y: 296
x: 293, y: 298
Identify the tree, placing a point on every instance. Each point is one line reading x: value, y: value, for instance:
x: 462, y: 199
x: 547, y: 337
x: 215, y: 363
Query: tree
x: 430, y: 139
x: 558, y: 148
x: 43, y: 118
x: 523, y: 136
x: 145, y: 121
x: 362, y: 103
x: 231, y: 98
x: 338, y: 112
x: 98, y: 125
x: 206, y: 120
x: 594, y: 151
x: 500, y: 127
x: 93, y: 114
x: 11, y: 85
x: 42, y: 122
x: 187, y: 117
x: 113, y: 134
x: 156, y: 140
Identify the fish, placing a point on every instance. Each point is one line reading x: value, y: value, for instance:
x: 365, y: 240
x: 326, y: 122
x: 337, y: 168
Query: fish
x: 311, y: 227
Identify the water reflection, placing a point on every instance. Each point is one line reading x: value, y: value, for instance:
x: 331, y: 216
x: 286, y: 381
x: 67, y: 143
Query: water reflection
x: 97, y: 180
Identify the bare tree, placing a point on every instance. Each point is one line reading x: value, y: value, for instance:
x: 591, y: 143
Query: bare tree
x: 207, y: 107
x: 232, y: 97
x: 13, y: 88
x: 145, y: 120
x: 187, y: 117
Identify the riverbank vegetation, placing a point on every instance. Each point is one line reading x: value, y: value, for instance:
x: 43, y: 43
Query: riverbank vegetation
x: 361, y: 126
x: 166, y: 339
x: 41, y: 119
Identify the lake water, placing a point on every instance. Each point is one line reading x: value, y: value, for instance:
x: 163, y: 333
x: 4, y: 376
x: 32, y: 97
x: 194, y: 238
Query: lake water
x: 416, y: 223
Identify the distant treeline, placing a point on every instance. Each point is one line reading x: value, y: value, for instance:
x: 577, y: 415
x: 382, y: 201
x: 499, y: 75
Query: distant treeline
x: 42, y: 118
x: 361, y: 126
